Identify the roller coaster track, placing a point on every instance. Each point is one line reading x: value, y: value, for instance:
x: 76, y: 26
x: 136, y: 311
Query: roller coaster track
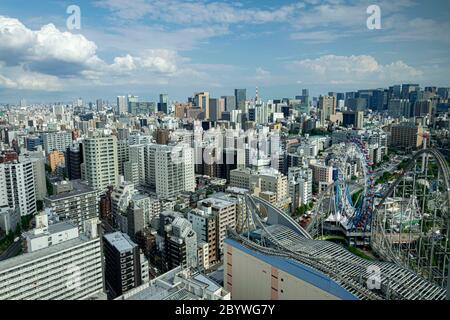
x: 343, y: 267
x: 380, y: 242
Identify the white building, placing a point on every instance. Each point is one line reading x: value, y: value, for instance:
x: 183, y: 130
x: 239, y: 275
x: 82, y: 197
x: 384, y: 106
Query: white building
x: 61, y: 264
x: 17, y: 186
x: 56, y: 141
x: 100, y: 166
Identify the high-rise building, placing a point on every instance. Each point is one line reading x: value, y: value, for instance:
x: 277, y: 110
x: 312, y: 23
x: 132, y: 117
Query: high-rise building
x: 216, y: 108
x: 37, y: 158
x: 223, y: 213
x: 56, y: 141
x: 121, y: 105
x: 100, y: 166
x: 423, y: 108
x: 163, y: 104
x: 230, y: 103
x: 406, y: 135
x: 169, y: 169
x: 398, y: 108
x: 76, y: 202
x: 125, y: 266
x: 327, y: 107
x: 353, y: 119
x: 74, y: 159
x: 240, y: 96
x: 407, y: 89
x: 17, y: 179
x: 201, y: 100
x: 99, y: 105
x: 60, y: 264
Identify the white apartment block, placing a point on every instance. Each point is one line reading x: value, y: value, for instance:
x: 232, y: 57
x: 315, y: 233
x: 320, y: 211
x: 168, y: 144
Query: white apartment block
x: 173, y: 170
x: 17, y: 186
x: 56, y: 141
x: 100, y: 166
x: 61, y: 264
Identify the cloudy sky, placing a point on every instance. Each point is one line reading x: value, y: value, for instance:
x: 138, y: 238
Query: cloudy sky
x: 147, y: 47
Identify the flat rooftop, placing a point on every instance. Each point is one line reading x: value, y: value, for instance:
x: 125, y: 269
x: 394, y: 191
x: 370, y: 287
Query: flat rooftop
x: 120, y: 241
x: 78, y: 188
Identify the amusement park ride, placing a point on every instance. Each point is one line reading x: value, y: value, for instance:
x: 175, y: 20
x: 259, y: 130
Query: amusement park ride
x: 405, y: 226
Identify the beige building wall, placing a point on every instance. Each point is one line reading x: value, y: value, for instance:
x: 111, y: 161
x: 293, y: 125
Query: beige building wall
x: 249, y: 278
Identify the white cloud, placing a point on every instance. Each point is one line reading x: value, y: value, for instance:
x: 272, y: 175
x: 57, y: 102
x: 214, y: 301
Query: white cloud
x: 49, y: 59
x: 332, y: 69
x: 199, y: 12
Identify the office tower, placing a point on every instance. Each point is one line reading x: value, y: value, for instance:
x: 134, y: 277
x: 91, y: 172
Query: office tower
x: 240, y: 96
x: 354, y: 119
x: 163, y: 104
x: 23, y: 103
x: 17, y: 178
x: 216, y: 107
x: 407, y: 89
x: 444, y: 93
x: 99, y: 105
x: 125, y: 267
x: 37, y: 158
x: 327, y: 107
x: 180, y: 241
x: 395, y: 92
x: 121, y: 105
x: 56, y: 141
x: 74, y: 159
x: 422, y: 108
x: 406, y: 135
x: 356, y: 104
x: 201, y: 100
x: 399, y: 108
x: 100, y: 166
x: 378, y: 100
x: 230, y: 103
x: 60, y: 264
x: 55, y: 160
x: 74, y: 201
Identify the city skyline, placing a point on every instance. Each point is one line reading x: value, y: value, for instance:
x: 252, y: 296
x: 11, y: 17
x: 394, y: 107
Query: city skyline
x: 178, y: 47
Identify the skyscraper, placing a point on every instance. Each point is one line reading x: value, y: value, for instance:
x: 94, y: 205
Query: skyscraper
x: 327, y: 107
x: 100, y: 164
x: 201, y: 100
x: 230, y: 103
x: 18, y: 186
x: 121, y: 104
x: 240, y: 96
x: 163, y: 104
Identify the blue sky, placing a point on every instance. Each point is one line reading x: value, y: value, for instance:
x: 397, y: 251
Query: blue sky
x: 147, y: 47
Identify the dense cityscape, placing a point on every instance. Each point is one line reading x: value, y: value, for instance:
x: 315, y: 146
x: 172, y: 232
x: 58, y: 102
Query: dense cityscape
x: 187, y: 200
x: 214, y: 158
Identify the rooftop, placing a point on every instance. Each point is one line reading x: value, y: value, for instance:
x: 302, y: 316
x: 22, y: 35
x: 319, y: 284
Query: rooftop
x: 79, y: 188
x: 120, y: 241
